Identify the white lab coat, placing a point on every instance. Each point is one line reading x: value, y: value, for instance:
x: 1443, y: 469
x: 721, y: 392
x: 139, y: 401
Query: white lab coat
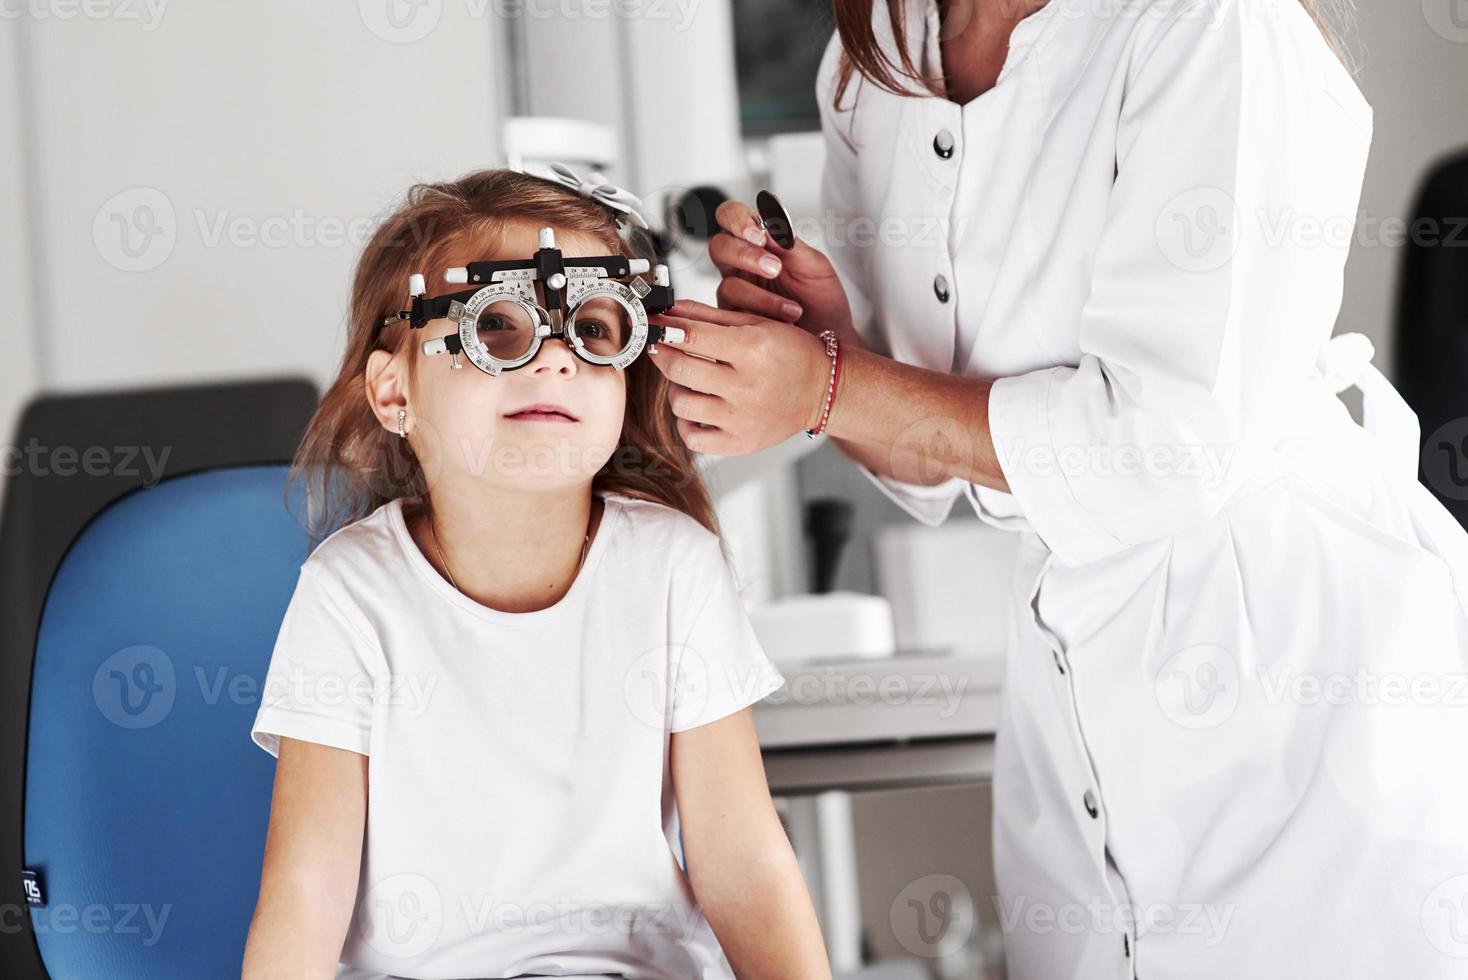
x: 1234, y: 736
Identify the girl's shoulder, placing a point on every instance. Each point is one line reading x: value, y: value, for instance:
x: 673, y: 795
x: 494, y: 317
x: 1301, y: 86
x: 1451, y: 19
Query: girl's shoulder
x: 368, y: 542
x: 654, y: 526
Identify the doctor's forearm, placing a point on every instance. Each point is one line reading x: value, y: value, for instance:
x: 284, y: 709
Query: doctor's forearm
x: 885, y: 462
x: 914, y: 424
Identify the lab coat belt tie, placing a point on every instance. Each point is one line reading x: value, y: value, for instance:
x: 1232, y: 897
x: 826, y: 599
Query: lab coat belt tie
x: 1345, y: 360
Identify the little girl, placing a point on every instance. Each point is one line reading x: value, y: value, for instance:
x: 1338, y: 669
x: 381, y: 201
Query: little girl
x: 524, y: 648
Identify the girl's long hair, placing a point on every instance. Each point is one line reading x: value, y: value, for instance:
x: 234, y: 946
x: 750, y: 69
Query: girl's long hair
x: 860, y: 51
x: 350, y: 465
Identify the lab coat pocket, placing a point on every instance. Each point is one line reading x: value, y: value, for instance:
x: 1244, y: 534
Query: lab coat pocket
x: 1368, y: 532
x: 1388, y: 672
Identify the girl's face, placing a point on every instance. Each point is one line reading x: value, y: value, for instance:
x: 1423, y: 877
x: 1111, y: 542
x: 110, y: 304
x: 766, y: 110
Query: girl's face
x: 467, y: 424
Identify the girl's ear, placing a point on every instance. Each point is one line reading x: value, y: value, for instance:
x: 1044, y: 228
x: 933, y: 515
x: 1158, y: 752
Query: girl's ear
x: 385, y: 383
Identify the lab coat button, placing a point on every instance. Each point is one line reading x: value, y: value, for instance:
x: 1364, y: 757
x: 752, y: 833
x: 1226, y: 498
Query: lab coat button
x: 940, y: 287
x: 1090, y: 800
x: 943, y: 144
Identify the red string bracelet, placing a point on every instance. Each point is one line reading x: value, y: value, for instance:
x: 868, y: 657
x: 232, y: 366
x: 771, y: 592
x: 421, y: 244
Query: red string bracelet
x: 833, y: 350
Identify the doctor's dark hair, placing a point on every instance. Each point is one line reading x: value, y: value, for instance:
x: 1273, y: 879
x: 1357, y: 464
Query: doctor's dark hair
x: 351, y: 465
x: 861, y: 52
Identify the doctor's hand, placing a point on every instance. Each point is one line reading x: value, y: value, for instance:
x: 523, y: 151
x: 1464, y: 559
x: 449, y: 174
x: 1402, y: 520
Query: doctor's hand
x: 798, y: 284
x: 740, y: 382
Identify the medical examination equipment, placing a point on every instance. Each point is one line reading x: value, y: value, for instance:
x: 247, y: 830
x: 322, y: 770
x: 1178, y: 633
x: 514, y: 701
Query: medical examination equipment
x: 775, y: 219
x: 503, y: 322
x: 516, y: 304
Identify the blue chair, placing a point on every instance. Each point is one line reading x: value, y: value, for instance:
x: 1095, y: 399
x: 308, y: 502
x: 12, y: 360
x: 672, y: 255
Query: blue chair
x: 146, y: 803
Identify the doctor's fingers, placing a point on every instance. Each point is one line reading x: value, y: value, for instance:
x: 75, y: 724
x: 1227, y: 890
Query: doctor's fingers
x: 689, y: 371
x: 730, y: 254
x: 710, y: 440
x: 735, y: 293
x: 724, y: 335
x: 737, y: 218
x: 698, y: 406
x: 692, y: 309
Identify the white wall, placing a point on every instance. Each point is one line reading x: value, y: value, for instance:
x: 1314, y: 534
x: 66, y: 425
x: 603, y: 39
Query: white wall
x: 17, y: 287
x: 1413, y: 69
x: 255, y: 141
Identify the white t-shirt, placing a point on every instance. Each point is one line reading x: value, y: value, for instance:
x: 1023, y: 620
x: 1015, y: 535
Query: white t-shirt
x: 520, y: 811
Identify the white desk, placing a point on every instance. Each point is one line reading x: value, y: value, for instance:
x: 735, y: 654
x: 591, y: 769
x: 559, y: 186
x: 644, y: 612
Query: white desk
x: 917, y: 719
x: 912, y: 719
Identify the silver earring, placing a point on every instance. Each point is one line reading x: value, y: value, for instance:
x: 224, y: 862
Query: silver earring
x: 402, y: 416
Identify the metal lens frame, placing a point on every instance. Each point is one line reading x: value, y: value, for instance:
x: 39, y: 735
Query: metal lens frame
x: 498, y: 292
x: 579, y: 291
x: 582, y: 290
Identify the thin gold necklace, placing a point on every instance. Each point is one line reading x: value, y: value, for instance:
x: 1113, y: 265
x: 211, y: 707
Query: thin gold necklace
x: 585, y: 544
